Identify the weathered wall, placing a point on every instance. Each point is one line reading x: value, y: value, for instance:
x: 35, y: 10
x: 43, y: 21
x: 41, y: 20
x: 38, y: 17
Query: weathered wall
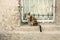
x: 57, y: 11
x: 10, y: 16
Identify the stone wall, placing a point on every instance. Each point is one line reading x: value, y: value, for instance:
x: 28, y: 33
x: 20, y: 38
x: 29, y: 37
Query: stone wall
x: 57, y: 11
x: 10, y: 20
x: 10, y: 16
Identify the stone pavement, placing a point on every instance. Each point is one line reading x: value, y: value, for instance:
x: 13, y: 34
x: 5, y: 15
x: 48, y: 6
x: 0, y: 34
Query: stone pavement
x: 29, y: 36
x: 31, y: 33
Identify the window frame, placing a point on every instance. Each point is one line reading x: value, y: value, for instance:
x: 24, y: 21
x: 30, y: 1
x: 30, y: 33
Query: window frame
x: 39, y: 20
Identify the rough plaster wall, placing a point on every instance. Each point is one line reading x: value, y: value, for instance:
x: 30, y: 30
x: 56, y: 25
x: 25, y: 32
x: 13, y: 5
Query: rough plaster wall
x: 9, y: 14
x: 10, y: 17
x: 57, y: 11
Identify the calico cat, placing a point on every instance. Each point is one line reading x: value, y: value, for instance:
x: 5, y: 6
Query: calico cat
x: 31, y: 19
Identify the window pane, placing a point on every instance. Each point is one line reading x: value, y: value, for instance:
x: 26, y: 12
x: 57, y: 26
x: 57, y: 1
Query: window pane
x: 42, y: 9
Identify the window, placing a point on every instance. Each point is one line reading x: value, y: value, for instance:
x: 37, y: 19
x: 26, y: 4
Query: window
x: 43, y: 10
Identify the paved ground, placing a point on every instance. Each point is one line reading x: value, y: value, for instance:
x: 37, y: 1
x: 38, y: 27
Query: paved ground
x: 31, y: 33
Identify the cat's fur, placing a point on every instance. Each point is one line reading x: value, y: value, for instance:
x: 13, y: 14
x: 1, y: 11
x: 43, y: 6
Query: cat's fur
x: 31, y: 20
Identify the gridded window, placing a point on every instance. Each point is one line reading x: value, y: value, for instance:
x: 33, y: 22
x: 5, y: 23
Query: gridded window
x: 43, y: 10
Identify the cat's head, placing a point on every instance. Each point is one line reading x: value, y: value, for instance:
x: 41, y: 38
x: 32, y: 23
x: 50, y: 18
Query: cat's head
x: 27, y: 16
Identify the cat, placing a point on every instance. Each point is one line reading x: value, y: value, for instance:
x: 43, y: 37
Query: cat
x: 31, y: 19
